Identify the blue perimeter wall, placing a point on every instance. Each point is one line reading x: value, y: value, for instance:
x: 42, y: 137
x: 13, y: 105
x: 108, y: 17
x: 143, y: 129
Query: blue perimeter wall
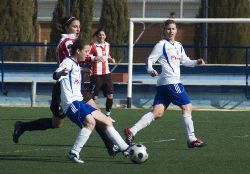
x: 228, y: 94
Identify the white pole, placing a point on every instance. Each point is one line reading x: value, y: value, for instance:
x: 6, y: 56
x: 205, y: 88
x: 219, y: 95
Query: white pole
x: 130, y: 62
x: 33, y: 93
x: 193, y: 20
x: 181, y: 8
x: 143, y: 8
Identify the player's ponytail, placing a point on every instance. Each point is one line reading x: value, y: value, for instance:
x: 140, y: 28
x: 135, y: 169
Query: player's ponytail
x: 77, y: 45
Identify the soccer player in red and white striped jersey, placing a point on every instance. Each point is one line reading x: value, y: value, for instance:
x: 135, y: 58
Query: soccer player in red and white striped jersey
x: 100, y: 73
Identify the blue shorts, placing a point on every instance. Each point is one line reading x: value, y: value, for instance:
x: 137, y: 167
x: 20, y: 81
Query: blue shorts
x: 78, y: 111
x: 172, y: 93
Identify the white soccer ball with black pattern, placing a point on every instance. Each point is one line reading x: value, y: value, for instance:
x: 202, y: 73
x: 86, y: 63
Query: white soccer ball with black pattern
x: 138, y: 153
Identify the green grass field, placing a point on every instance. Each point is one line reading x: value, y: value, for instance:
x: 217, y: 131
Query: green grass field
x: 227, y: 134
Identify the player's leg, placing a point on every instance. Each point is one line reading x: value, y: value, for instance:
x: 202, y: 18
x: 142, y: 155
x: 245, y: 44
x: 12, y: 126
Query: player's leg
x: 99, y: 128
x: 180, y: 98
x: 81, y: 139
x: 95, y: 86
x: 159, y: 106
x: 42, y: 123
x: 108, y: 93
x: 110, y: 130
x: 83, y: 118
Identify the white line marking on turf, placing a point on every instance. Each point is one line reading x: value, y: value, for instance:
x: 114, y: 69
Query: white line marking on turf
x: 160, y: 141
x: 38, y: 149
x: 240, y: 136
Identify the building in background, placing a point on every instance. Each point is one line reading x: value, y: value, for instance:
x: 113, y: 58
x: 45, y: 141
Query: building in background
x: 137, y: 9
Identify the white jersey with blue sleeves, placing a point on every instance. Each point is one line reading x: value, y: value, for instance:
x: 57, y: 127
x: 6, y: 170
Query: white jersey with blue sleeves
x: 170, y: 55
x: 71, y: 83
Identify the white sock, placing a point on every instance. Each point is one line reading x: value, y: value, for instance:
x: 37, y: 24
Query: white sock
x: 116, y: 138
x: 145, y: 121
x: 80, y: 141
x: 189, y: 127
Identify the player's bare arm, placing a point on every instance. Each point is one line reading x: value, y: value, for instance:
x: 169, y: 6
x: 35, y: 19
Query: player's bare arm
x: 153, y: 73
x: 200, y: 61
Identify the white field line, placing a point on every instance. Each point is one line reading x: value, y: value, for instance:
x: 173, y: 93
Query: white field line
x: 240, y: 136
x: 65, y: 148
x: 33, y: 150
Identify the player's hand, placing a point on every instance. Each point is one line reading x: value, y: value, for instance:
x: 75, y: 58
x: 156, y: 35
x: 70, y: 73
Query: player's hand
x: 99, y: 59
x: 64, y: 72
x: 200, y: 62
x: 112, y: 60
x: 153, y: 73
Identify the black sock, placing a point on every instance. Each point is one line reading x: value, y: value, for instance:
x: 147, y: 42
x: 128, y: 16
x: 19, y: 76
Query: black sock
x: 39, y: 124
x: 109, y: 103
x: 106, y: 140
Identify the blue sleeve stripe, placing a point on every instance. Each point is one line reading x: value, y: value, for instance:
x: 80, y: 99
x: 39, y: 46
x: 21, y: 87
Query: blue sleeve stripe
x: 166, y: 56
x: 70, y: 81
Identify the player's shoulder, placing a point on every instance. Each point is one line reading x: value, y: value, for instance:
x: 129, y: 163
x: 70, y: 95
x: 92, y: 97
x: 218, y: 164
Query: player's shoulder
x: 160, y: 43
x: 68, y: 60
x: 178, y: 43
x: 163, y: 41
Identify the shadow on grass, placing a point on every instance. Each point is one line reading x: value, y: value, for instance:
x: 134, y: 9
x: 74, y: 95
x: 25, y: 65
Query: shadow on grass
x: 33, y: 158
x: 60, y: 159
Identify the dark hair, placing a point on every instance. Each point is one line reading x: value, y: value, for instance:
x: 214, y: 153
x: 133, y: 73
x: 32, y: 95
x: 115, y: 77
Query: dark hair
x: 98, y: 31
x: 168, y: 22
x: 78, y: 44
x: 66, y: 21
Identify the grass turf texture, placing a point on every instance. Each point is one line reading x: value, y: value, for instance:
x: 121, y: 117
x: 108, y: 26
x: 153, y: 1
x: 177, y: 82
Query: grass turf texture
x: 227, y: 134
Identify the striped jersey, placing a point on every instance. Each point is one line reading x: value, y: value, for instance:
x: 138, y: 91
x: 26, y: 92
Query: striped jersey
x: 63, y: 48
x: 170, y: 55
x: 102, y: 67
x: 71, y: 83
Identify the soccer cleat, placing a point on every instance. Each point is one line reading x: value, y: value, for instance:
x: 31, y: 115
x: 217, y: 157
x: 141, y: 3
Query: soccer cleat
x: 108, y: 114
x: 197, y: 143
x: 127, y: 151
x: 73, y: 157
x: 129, y: 137
x: 115, y: 150
x: 111, y: 119
x: 18, y: 131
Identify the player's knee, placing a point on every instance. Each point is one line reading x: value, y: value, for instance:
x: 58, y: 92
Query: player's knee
x: 110, y: 96
x: 158, y: 114
x: 109, y: 122
x: 90, y: 122
x: 187, y: 109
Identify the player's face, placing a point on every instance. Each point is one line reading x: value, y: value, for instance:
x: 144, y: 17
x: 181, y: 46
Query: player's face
x: 74, y: 28
x: 83, y: 53
x: 171, y: 31
x: 101, y: 37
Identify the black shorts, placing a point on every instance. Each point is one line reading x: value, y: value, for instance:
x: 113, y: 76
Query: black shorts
x: 86, y: 95
x: 56, y: 100
x: 101, y: 82
x: 55, y: 107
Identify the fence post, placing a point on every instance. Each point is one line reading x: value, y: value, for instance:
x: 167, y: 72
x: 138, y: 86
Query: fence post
x: 33, y: 93
x: 3, y: 85
x: 247, y: 90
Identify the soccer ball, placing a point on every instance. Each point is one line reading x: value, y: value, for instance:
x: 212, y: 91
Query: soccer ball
x: 138, y: 153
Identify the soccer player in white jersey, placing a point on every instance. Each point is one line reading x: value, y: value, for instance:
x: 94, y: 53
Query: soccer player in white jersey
x: 170, y: 54
x: 70, y: 32
x: 79, y: 112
